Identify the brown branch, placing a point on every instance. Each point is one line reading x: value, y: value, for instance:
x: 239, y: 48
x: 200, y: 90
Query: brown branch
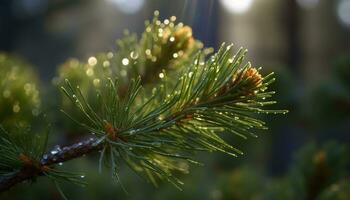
x: 76, y: 150
x: 55, y: 156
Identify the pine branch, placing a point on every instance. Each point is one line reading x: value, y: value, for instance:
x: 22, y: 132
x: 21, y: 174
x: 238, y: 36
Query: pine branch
x: 76, y: 150
x: 150, y: 135
x: 153, y: 131
x: 153, y: 134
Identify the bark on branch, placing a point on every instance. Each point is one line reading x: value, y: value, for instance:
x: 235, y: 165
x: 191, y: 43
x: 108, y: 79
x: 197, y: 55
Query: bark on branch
x: 76, y: 150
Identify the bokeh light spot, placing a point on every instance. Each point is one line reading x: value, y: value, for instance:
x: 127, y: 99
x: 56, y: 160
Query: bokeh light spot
x: 343, y: 12
x: 236, y: 6
x: 308, y: 4
x: 128, y: 6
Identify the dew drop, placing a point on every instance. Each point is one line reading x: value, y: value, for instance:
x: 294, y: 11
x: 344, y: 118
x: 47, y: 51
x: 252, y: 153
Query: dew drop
x: 154, y: 90
x: 16, y: 108
x: 134, y: 55
x: 96, y: 82
x: 161, y: 117
x: 106, y: 63
x: 60, y: 164
x: 82, y: 176
x: 148, y: 52
x: 110, y: 55
x: 161, y: 75
x: 175, y: 55
x: 6, y: 93
x: 125, y: 61
x: 53, y: 152
x: 92, y: 61
x: 172, y: 39
x: 156, y: 13
x: 90, y: 72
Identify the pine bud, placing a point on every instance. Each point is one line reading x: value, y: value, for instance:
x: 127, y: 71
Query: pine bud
x: 251, y: 74
x: 320, y: 158
x: 110, y: 131
x: 255, y: 77
x: 184, y: 37
x: 25, y: 159
x: 248, y: 80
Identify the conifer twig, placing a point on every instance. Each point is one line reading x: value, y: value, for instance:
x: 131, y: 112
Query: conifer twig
x: 76, y: 150
x: 154, y: 132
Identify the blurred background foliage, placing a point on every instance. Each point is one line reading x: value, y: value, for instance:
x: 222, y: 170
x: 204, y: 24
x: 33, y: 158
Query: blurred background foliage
x: 306, y: 42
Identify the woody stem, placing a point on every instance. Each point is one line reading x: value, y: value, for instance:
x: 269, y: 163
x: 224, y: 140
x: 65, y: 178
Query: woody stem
x: 76, y: 150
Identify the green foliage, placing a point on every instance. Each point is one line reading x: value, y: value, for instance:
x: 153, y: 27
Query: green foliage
x: 163, y: 45
x: 318, y: 167
x: 341, y: 68
x: 319, y: 172
x: 153, y: 105
x: 242, y: 183
x: 337, y: 191
x: 19, y: 147
x: 19, y: 97
x: 153, y: 133
x: 329, y: 102
x: 23, y: 148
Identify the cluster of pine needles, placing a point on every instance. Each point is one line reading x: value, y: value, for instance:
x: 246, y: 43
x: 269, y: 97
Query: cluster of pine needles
x: 153, y: 104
